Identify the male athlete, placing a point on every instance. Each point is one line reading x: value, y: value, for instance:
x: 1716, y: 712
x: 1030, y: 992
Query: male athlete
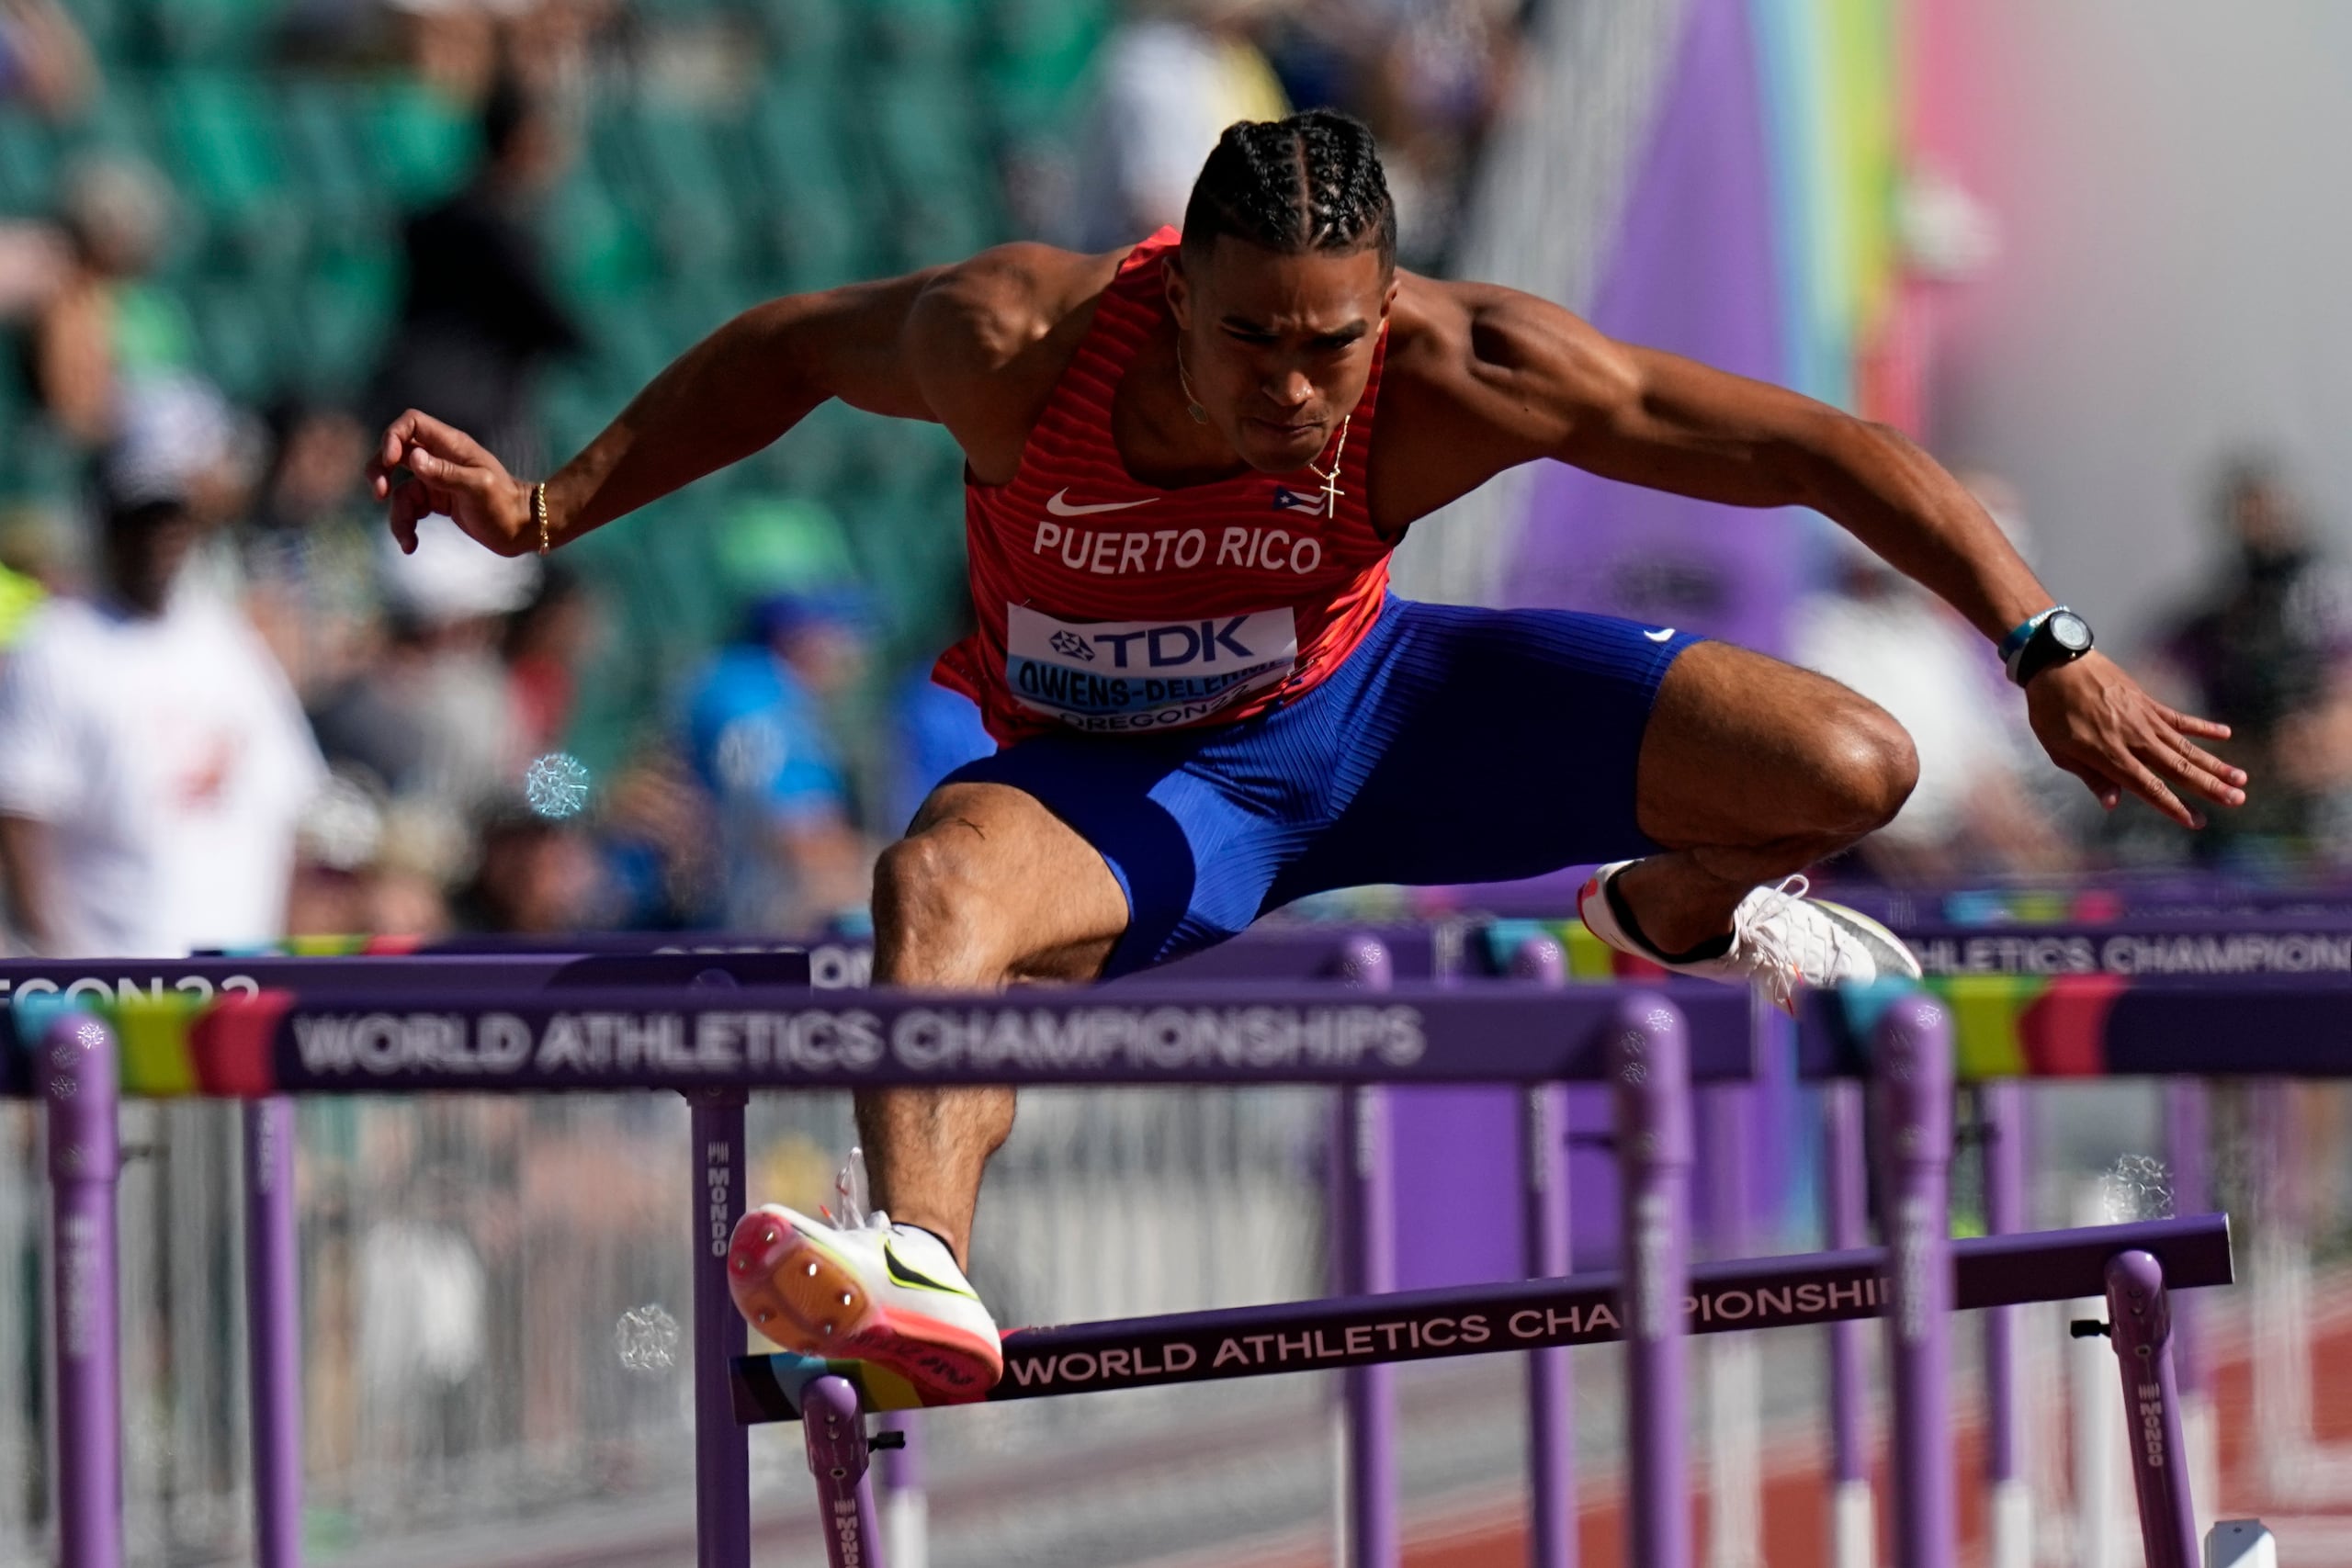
x: 1187, y: 464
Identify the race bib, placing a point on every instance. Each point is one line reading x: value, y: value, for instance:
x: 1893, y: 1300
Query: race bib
x: 1120, y: 676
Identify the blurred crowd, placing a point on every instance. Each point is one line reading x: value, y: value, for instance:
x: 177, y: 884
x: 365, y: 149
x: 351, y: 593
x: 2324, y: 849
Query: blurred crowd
x: 231, y: 711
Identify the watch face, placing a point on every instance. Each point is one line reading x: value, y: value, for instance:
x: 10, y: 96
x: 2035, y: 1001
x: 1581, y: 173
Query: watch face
x: 2070, y: 633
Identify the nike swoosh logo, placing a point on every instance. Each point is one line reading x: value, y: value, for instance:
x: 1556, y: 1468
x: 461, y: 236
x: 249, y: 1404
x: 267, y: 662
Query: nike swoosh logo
x: 1060, y: 508
x: 1659, y: 636
x: 901, y: 1274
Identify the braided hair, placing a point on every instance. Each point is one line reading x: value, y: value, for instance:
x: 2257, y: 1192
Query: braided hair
x: 1309, y: 183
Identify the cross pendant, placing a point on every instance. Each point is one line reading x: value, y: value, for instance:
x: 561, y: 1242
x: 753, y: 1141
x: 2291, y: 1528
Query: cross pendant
x: 1331, y: 492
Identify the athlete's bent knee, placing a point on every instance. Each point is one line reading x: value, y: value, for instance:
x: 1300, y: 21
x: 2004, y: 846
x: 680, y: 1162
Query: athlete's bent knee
x: 927, y: 903
x: 1870, y: 768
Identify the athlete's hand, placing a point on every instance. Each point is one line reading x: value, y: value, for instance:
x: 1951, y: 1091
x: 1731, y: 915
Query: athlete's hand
x: 2098, y: 724
x: 422, y: 466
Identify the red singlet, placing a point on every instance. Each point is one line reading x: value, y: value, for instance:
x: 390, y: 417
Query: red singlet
x: 1111, y: 607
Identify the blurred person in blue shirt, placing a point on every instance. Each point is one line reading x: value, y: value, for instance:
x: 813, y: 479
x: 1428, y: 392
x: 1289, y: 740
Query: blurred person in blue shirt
x: 934, y: 730
x: 756, y: 732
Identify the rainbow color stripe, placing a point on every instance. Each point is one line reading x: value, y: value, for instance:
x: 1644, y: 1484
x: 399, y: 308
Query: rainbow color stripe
x: 1832, y: 89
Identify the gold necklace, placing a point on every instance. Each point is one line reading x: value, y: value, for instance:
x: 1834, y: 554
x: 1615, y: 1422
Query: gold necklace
x: 1332, y: 490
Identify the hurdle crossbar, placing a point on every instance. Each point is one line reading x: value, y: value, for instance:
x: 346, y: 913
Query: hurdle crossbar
x: 1534, y: 1315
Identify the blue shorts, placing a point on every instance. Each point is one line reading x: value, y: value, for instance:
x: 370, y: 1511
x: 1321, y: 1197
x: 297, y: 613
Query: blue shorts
x: 1453, y: 744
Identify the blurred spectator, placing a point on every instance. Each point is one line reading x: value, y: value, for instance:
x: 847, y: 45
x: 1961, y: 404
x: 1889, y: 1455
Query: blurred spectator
x: 660, y: 843
x: 153, y: 762
x: 755, y: 729
x: 478, y: 316
x: 935, y: 731
x: 1174, y: 74
x: 433, y: 713
x: 1974, y: 809
x: 44, y: 61
x: 103, y: 325
x: 546, y: 642
x: 2268, y: 650
x: 535, y: 877
x: 309, y: 551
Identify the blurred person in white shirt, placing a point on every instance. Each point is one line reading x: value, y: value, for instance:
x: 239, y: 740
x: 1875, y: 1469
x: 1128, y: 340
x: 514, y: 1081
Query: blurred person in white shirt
x: 1975, y: 809
x: 155, y: 763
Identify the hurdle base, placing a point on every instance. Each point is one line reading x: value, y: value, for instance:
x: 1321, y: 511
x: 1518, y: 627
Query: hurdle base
x: 2241, y: 1543
x: 1853, y: 1525
x: 2011, y: 1507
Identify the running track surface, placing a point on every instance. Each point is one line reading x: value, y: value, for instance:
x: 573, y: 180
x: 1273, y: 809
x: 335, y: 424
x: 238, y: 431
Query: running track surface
x: 1468, y: 1535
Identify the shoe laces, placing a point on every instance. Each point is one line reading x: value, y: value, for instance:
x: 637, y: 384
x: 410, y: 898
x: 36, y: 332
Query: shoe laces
x: 1782, y: 953
x: 848, y: 1211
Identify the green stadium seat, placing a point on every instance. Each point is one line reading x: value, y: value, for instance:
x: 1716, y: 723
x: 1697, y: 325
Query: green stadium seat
x: 805, y: 35
x: 422, y: 145
x: 605, y: 254
x: 926, y: 131
x: 104, y: 27
x: 939, y: 33
x: 241, y: 340
x: 218, y: 32
x: 341, y: 328
x: 222, y: 138
x: 327, y: 166
x: 677, y: 183
x: 816, y: 215
x: 28, y: 164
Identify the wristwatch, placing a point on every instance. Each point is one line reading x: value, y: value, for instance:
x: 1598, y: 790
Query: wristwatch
x: 2055, y: 636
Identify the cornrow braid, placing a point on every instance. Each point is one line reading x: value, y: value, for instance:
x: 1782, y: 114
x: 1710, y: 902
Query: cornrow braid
x: 1309, y: 183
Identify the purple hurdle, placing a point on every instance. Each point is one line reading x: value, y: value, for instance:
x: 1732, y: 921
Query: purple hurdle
x: 1551, y: 1378
x: 2139, y: 1317
x: 1364, y: 1262
x: 833, y: 1425
x: 77, y: 1068
x: 1650, y: 1064
x: 274, y: 1332
x: 1912, y: 1082
x: 2001, y: 1114
x: 1853, y: 1517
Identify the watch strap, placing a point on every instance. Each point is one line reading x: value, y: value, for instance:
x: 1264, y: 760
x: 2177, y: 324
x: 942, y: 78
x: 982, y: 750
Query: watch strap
x: 2042, y: 650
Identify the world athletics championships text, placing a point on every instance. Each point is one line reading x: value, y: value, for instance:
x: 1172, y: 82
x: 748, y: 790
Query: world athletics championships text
x: 842, y: 1043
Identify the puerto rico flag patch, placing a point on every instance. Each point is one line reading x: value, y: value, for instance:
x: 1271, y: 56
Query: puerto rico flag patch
x: 1289, y: 500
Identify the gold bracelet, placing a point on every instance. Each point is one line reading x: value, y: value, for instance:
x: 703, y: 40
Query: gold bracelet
x: 539, y: 513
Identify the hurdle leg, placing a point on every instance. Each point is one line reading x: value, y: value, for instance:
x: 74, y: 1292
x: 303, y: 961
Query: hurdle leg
x: 1913, y: 1082
x: 1546, y: 1254
x: 835, y: 1430
x: 1734, y: 1481
x: 1364, y: 1256
x: 1649, y: 1068
x: 722, y: 1445
x: 1551, y: 1379
x: 2187, y: 1145
x: 1853, y: 1522
x: 2139, y: 1317
x: 273, y: 1332
x: 2002, y: 1114
x: 905, y: 1507
x: 1366, y: 1261
x: 77, y: 1075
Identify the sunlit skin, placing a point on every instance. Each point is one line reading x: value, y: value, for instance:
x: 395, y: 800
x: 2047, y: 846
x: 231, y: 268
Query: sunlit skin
x: 1278, y: 348
x: 1750, y: 769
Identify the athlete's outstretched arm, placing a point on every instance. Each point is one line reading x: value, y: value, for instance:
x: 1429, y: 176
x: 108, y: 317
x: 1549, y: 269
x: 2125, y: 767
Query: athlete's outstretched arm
x: 724, y: 398
x: 1665, y: 422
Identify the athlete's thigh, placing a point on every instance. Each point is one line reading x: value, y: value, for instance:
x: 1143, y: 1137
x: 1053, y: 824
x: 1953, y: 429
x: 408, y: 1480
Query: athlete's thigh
x: 1742, y: 748
x: 1495, y: 745
x: 988, y: 884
